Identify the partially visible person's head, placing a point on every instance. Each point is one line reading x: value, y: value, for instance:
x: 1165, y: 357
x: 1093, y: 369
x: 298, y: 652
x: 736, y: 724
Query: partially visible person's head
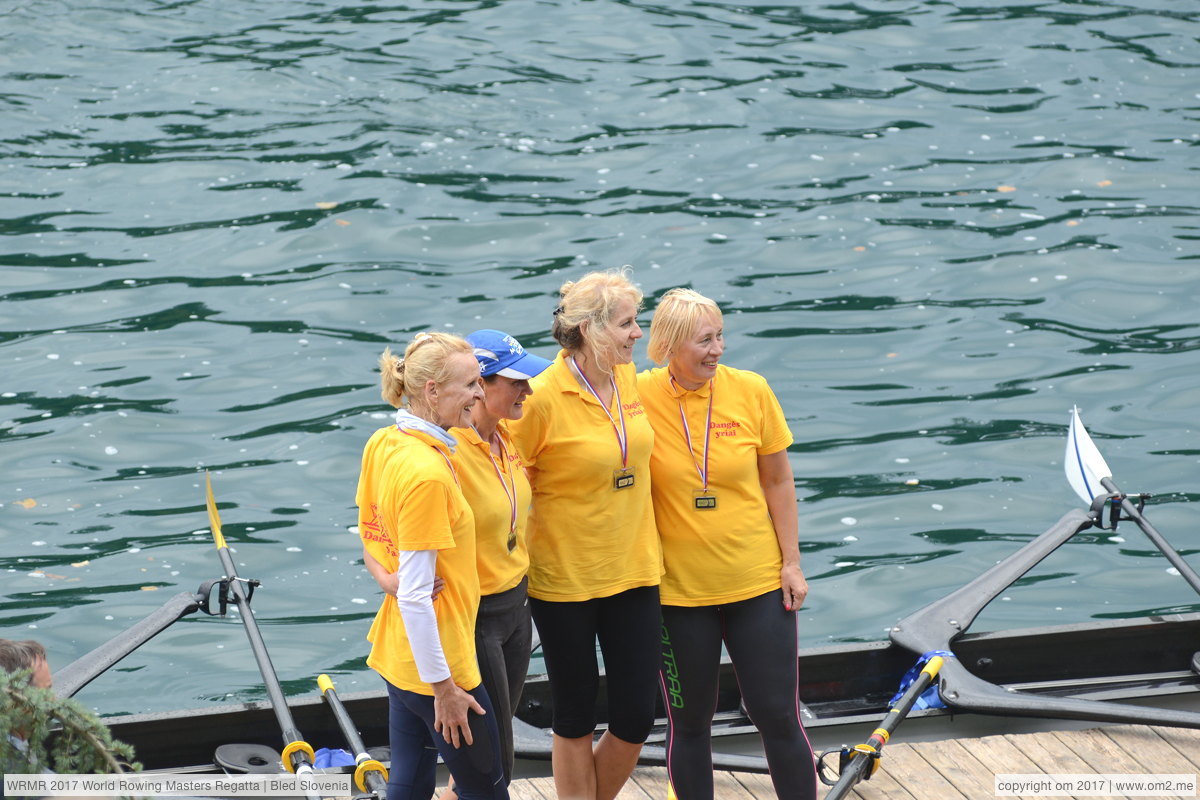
x: 438, y: 378
x: 506, y: 368
x: 16, y: 656
x: 599, y: 313
x: 677, y: 319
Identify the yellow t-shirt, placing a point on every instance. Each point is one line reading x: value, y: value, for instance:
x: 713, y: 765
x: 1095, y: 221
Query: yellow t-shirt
x: 586, y: 539
x: 489, y: 496
x: 408, y: 499
x: 728, y: 553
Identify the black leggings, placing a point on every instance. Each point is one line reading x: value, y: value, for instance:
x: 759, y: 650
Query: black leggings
x: 627, y: 626
x: 761, y: 639
x: 503, y: 635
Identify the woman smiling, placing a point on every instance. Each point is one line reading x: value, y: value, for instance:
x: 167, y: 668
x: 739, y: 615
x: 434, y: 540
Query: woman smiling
x: 725, y: 504
x: 595, y: 560
x: 494, y: 483
x: 415, y: 522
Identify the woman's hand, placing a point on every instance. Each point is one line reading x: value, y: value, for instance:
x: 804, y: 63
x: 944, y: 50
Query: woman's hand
x: 451, y: 712
x: 795, y: 587
x: 779, y: 490
x: 389, y: 582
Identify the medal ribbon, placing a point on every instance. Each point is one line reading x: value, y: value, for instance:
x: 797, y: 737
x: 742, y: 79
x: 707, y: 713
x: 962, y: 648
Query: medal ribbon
x: 438, y: 450
x: 622, y: 438
x: 687, y: 433
x: 511, y: 495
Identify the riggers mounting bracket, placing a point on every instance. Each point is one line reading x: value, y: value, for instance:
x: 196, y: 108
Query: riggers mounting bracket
x: 206, y: 591
x: 1113, y: 500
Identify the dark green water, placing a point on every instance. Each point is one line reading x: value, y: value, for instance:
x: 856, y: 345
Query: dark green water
x: 933, y: 227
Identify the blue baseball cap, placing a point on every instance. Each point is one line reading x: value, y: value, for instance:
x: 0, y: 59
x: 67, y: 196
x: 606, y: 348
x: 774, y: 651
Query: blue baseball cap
x: 500, y: 354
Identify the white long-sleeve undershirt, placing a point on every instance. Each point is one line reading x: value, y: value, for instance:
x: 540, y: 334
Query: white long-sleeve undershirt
x: 414, y: 598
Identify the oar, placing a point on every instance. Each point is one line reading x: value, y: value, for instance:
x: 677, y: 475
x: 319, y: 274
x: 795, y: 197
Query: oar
x: 83, y: 670
x: 939, y: 624
x: 866, y: 756
x: 297, y: 753
x: 369, y: 774
x: 1091, y: 479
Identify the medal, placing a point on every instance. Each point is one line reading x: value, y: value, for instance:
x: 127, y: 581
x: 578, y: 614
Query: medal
x: 623, y: 478
x: 702, y: 499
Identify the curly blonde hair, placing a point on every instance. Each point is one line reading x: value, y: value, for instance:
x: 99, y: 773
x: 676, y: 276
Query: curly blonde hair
x: 592, y: 299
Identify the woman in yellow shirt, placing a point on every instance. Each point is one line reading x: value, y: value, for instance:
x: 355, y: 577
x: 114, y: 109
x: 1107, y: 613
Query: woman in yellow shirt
x: 414, y: 521
x: 725, y: 504
x: 594, y: 557
x: 494, y: 483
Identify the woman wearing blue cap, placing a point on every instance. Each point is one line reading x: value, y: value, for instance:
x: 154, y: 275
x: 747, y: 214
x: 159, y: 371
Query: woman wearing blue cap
x: 493, y: 481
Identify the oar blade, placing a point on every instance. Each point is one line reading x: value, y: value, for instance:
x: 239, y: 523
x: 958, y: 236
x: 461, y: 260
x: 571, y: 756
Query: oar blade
x: 214, y: 519
x: 1084, y: 465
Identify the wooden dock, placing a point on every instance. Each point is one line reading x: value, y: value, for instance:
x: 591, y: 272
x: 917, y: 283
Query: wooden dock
x: 958, y: 769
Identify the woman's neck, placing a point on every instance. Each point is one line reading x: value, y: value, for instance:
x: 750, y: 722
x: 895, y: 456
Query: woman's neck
x: 426, y: 414
x: 485, y: 423
x: 600, y: 382
x: 589, y: 365
x: 691, y: 386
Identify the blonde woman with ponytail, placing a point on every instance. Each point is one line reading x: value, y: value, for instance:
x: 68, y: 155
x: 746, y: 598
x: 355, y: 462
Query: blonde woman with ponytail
x: 414, y: 521
x: 594, y: 556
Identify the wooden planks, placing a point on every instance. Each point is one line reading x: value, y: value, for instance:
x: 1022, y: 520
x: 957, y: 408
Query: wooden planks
x: 957, y: 769
x: 968, y: 767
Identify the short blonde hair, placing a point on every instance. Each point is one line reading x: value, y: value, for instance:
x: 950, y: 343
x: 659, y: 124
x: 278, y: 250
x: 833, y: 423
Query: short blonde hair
x: 425, y: 359
x: 592, y: 299
x: 678, y: 315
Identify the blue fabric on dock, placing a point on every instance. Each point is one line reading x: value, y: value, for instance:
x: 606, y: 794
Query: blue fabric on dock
x: 326, y: 757
x: 930, y: 697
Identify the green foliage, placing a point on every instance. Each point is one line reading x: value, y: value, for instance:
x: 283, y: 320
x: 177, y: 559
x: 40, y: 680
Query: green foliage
x: 58, y: 733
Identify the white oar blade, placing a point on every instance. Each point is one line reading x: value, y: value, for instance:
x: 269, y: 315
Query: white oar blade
x: 1084, y: 465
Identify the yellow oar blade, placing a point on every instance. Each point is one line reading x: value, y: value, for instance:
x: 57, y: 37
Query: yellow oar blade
x: 214, y: 519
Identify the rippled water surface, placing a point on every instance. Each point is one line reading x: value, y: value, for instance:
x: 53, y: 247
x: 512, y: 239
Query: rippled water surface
x: 933, y: 227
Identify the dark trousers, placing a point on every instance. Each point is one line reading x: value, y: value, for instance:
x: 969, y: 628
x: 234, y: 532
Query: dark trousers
x: 761, y: 639
x: 503, y: 637
x: 415, y: 746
